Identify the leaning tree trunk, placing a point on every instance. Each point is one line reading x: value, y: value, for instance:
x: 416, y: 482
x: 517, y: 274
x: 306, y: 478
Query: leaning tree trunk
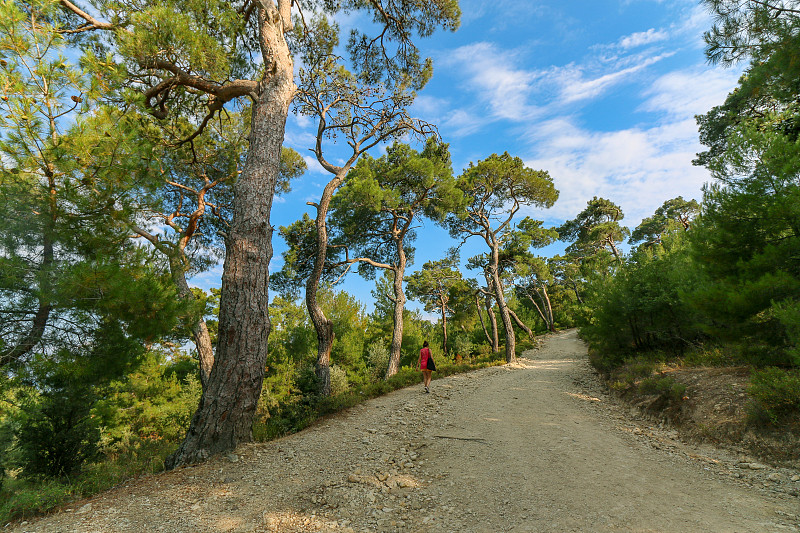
x: 508, y: 326
x: 551, y: 323
x: 202, y: 339
x: 521, y: 324
x: 399, y: 307
x: 480, y: 315
x: 224, y: 417
x: 35, y: 333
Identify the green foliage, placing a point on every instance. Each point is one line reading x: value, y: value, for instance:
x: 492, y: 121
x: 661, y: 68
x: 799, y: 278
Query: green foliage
x: 57, y: 434
x: 377, y: 360
x: 339, y: 381
x: 776, y: 395
x: 665, y: 387
x: 594, y: 229
x: 674, y: 215
x: 154, y: 402
x: 643, y: 308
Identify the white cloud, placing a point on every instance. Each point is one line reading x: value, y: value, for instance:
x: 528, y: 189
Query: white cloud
x: 492, y: 75
x: 642, y: 38
x: 689, y: 92
x: 574, y: 87
x: 313, y: 165
x: 638, y: 167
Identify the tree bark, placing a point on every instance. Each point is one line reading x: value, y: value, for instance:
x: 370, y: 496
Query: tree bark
x: 224, y: 417
x: 551, y: 323
x: 480, y: 316
x: 493, y: 274
x: 521, y: 324
x: 399, y: 307
x: 322, y: 324
x: 493, y: 322
x: 444, y: 327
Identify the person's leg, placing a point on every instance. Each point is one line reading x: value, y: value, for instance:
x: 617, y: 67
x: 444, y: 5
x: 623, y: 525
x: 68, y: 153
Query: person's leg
x: 428, y: 375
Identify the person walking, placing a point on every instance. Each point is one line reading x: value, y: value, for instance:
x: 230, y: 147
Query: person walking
x: 426, y: 365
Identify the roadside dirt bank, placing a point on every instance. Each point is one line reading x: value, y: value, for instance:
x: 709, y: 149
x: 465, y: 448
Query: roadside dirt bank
x: 533, y: 446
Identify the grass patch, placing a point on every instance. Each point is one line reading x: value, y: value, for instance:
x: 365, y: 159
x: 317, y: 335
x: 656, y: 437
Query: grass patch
x: 22, y: 498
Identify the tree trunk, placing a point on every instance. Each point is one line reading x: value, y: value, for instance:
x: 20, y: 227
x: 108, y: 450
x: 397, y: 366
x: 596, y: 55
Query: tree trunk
x: 444, y: 328
x: 44, y: 286
x: 399, y: 307
x: 508, y: 326
x: 224, y: 417
x: 538, y: 308
x: 202, y: 339
x: 614, y: 250
x: 322, y: 324
x: 493, y: 322
x: 521, y: 324
x: 480, y: 316
x: 577, y: 294
x: 551, y: 323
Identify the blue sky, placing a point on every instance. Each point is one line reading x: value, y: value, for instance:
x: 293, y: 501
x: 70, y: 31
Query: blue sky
x: 602, y: 94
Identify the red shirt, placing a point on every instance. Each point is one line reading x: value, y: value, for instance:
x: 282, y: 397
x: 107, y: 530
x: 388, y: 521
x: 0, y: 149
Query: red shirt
x: 424, y: 354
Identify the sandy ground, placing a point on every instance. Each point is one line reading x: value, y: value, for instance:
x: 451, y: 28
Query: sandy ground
x: 534, y: 446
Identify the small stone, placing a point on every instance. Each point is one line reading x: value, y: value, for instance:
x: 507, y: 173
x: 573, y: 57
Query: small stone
x: 232, y: 457
x: 774, y: 476
x: 85, y: 509
x: 757, y: 466
x: 795, y: 478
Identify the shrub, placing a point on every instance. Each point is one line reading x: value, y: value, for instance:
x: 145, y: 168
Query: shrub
x: 462, y: 346
x: 57, y: 433
x: 775, y: 393
x: 339, y: 383
x: 665, y: 387
x: 377, y: 360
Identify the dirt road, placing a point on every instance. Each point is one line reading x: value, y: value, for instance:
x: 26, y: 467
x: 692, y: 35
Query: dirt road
x: 534, y: 446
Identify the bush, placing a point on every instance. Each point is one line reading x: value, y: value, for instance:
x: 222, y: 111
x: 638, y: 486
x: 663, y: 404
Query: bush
x: 775, y: 393
x: 377, y: 360
x: 57, y: 433
x: 665, y: 387
x: 339, y: 383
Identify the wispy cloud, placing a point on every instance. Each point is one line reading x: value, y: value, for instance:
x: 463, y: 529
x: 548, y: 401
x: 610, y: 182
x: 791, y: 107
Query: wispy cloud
x: 642, y: 38
x: 575, y: 86
x: 638, y: 167
x: 491, y: 74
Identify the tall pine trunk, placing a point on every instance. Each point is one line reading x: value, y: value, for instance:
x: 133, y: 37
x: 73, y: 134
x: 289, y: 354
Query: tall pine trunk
x: 480, y: 316
x: 505, y: 316
x: 224, y: 417
x: 399, y: 307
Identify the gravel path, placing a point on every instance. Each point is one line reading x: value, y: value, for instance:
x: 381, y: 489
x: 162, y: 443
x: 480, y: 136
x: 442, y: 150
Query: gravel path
x: 534, y: 446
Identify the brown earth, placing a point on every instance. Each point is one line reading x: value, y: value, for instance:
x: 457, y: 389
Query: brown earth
x: 715, y: 410
x: 532, y: 446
